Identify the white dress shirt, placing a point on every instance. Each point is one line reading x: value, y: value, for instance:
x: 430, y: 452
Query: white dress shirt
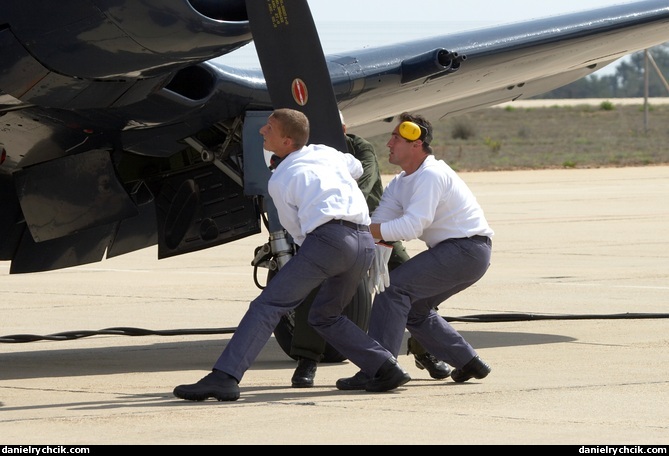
x: 314, y: 185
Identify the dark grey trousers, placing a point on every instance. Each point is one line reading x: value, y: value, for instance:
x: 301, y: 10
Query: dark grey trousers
x: 335, y: 257
x: 418, y: 286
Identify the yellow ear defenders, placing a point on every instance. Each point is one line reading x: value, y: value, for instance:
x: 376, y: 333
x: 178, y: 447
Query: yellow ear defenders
x: 411, y: 131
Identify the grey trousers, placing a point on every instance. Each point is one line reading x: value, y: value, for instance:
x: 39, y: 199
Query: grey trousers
x: 333, y: 256
x: 306, y: 342
x: 418, y: 286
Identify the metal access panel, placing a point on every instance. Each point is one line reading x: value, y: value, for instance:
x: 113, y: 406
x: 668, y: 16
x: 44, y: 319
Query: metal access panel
x: 201, y: 208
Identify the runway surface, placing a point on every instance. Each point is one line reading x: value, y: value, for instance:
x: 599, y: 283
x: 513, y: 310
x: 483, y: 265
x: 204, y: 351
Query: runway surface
x: 583, y: 253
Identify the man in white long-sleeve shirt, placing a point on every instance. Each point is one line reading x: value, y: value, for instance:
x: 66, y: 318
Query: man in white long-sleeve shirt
x: 427, y: 200
x: 320, y: 205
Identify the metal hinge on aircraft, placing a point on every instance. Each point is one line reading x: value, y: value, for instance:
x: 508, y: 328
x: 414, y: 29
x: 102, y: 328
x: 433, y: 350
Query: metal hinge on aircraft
x: 220, y: 154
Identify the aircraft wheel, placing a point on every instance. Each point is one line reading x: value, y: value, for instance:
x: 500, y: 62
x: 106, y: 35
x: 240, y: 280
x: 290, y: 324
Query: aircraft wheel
x: 358, y: 311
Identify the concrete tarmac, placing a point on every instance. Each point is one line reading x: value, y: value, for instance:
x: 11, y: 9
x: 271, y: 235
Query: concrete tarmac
x: 580, y: 269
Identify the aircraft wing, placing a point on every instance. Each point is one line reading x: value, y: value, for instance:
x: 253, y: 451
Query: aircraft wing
x: 119, y: 129
x: 502, y: 63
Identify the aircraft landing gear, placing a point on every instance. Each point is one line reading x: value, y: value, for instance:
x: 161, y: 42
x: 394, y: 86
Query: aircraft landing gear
x: 358, y: 311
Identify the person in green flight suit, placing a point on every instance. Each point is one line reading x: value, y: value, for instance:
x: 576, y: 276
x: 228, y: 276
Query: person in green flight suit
x: 307, y: 346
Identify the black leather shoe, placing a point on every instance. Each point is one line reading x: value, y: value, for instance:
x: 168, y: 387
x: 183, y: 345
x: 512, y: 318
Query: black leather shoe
x: 476, y: 368
x: 389, y: 376
x: 357, y: 382
x: 304, y: 373
x: 217, y: 384
x: 424, y: 360
x: 437, y: 369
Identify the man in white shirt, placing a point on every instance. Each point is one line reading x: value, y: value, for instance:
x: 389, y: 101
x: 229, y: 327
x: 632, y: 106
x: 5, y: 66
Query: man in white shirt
x: 427, y: 200
x: 320, y: 205
x: 306, y: 345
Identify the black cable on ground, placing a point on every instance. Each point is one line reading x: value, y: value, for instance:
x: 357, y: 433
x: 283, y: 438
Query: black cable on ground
x: 121, y: 331
x: 495, y: 318
x: 483, y: 318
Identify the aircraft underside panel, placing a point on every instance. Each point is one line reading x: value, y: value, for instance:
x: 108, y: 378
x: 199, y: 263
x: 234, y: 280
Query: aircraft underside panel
x: 11, y: 222
x: 85, y: 247
x: 201, y: 208
x: 64, y: 196
x: 135, y: 233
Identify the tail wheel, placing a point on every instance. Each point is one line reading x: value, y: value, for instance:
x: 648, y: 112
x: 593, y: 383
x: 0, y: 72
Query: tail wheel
x: 358, y: 311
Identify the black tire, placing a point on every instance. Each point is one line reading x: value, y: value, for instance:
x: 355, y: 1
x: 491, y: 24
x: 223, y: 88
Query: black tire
x: 358, y: 311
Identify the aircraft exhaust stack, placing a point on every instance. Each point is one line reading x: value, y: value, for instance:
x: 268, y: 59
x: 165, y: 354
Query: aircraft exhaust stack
x: 430, y: 64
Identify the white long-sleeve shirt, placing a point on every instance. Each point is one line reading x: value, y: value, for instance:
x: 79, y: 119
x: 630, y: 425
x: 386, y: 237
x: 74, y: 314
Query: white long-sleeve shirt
x: 314, y: 185
x: 432, y: 204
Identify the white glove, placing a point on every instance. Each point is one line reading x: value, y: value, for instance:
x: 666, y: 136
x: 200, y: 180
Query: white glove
x: 372, y: 276
x: 381, y: 257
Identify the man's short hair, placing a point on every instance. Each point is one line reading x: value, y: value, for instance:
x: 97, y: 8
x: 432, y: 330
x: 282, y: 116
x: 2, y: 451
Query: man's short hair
x: 294, y: 124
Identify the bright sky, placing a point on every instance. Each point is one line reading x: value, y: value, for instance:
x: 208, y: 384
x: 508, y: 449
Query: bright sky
x: 499, y: 11
x: 423, y: 18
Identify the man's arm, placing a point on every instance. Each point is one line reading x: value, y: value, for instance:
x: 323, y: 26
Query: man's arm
x: 354, y: 166
x: 364, y: 151
x: 370, y: 172
x: 375, y: 229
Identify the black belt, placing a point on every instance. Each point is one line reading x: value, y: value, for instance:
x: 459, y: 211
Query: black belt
x: 486, y: 239
x: 351, y: 225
